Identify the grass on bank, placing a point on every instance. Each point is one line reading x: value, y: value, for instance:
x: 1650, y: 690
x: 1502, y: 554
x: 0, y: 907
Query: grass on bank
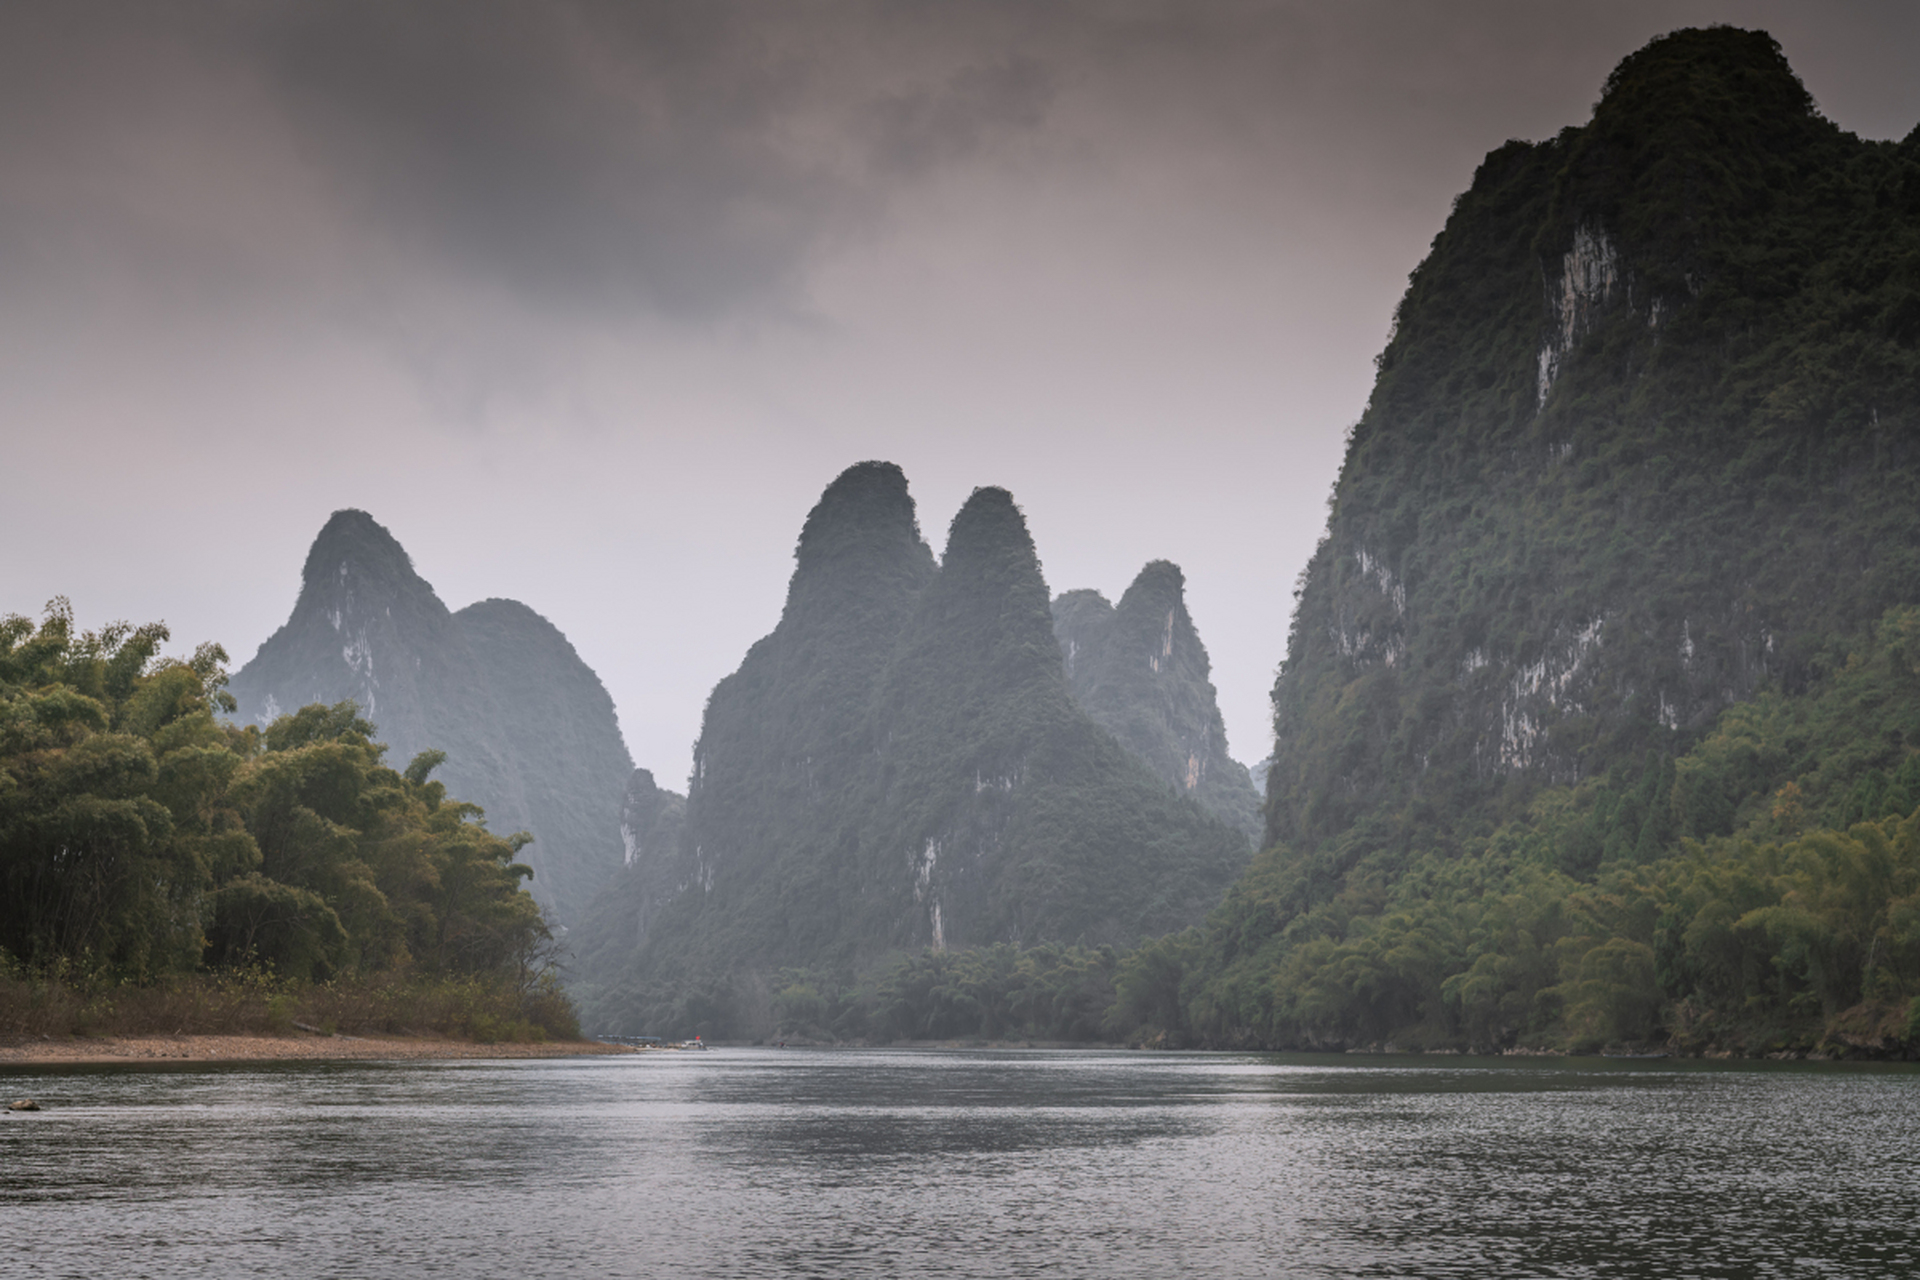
x: 257, y: 1001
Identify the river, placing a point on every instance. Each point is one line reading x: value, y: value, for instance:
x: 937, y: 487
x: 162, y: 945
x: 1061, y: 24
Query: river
x: 768, y: 1162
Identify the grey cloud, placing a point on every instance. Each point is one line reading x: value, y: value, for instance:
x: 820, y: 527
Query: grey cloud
x: 696, y: 158
x: 587, y: 156
x: 917, y: 131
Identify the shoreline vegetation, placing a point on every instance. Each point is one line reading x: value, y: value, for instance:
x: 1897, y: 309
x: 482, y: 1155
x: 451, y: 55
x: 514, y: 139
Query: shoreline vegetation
x: 1637, y: 1053
x: 302, y: 1045
x: 164, y: 872
x: 269, y: 1047
x: 257, y: 1005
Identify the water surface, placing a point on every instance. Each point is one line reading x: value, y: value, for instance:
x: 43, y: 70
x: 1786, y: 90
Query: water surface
x: 756, y: 1162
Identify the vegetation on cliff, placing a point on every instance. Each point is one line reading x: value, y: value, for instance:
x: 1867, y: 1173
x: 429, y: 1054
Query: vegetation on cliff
x: 1593, y: 724
x: 559, y: 736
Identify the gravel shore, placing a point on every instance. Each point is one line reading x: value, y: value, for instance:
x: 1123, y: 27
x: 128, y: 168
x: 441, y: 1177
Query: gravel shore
x: 269, y: 1048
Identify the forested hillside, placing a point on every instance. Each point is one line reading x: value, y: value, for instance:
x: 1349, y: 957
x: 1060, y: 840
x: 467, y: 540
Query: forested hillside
x: 528, y: 730
x: 900, y: 767
x: 1604, y: 655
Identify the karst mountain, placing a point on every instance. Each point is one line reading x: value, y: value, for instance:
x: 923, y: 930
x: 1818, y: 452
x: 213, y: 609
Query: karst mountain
x: 528, y: 730
x: 901, y: 765
x: 1613, y: 611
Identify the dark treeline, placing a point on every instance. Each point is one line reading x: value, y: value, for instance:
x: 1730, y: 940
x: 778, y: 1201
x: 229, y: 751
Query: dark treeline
x: 144, y: 844
x: 1758, y: 893
x: 1048, y: 993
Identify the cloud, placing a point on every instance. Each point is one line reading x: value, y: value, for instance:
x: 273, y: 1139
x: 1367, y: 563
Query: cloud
x: 920, y: 130
x: 581, y: 156
x: 605, y: 159
x: 585, y: 157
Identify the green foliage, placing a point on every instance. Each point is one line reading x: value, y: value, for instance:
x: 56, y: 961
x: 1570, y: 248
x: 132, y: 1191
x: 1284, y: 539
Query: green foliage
x: 94, y: 868
x: 1714, y: 490
x: 141, y: 839
x: 261, y: 1001
x: 1756, y: 893
x: 1610, y: 627
x: 995, y: 993
x: 1045, y: 993
x: 1151, y: 990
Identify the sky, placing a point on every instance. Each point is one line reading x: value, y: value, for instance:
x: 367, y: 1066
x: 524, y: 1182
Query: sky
x: 587, y: 302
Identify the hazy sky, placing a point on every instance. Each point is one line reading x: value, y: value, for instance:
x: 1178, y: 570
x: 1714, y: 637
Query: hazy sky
x: 587, y: 302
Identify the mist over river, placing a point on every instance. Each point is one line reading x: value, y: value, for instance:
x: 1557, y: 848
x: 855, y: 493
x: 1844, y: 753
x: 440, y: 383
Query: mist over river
x: 758, y: 1162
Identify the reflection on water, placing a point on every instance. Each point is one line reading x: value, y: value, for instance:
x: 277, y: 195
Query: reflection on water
x: 837, y: 1163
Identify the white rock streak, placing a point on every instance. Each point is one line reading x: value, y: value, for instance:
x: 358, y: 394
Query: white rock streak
x: 923, y: 889
x: 1588, y: 273
x: 1541, y: 686
x: 1356, y: 643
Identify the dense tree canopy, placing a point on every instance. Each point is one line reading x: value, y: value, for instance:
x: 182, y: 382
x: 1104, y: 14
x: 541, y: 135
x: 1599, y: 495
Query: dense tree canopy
x: 140, y: 836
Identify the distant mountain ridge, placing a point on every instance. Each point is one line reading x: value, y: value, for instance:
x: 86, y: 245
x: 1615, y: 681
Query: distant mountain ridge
x: 529, y: 731
x: 900, y: 765
x: 1139, y: 669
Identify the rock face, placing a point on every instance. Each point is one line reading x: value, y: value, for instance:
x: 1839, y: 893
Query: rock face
x: 1643, y: 442
x: 656, y: 868
x: 1140, y: 671
x: 529, y: 731
x: 900, y: 765
x: 367, y: 628
x: 561, y: 739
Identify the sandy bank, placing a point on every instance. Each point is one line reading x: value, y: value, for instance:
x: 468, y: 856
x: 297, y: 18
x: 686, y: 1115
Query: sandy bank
x: 271, y: 1048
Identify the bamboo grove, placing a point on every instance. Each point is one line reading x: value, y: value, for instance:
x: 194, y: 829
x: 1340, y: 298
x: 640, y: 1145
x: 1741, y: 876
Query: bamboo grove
x: 142, y: 838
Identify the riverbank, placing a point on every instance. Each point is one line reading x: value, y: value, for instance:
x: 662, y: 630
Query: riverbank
x: 256, y: 1004
x: 78, y: 1050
